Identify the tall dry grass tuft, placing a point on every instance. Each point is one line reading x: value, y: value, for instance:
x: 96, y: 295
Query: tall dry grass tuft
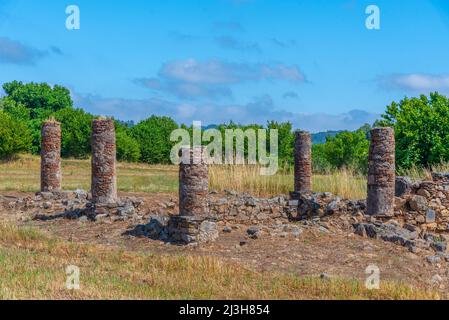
x: 419, y: 173
x: 344, y: 183
x: 248, y: 179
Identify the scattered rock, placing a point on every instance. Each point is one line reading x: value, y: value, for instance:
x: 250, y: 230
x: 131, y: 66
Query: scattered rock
x: 424, y: 193
x: 403, y: 186
x: 325, y: 276
x: 227, y: 229
x: 430, y: 216
x: 253, y: 232
x: 437, y: 279
x: 80, y: 194
x: 83, y: 219
x: 418, y: 203
x: 283, y: 234
x: 323, y: 229
x: 433, y: 259
x: 126, y: 211
x: 387, y: 232
x: 296, y: 232
x: 47, y: 205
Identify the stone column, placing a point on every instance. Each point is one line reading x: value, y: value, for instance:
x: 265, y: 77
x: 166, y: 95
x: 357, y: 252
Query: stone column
x: 104, y: 180
x: 193, y: 183
x: 381, y: 173
x: 303, y: 162
x: 51, y: 156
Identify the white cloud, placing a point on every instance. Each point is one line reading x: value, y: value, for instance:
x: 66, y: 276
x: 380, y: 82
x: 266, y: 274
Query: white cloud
x: 219, y: 72
x: 260, y: 110
x: 212, y: 78
x: 416, y: 82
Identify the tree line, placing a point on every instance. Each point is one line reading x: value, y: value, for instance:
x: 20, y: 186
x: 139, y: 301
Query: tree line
x: 421, y: 125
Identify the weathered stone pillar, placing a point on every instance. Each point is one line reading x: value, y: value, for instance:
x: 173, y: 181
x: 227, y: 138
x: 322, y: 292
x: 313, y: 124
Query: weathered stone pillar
x: 193, y: 183
x: 381, y: 173
x: 51, y: 156
x: 303, y: 162
x: 104, y: 180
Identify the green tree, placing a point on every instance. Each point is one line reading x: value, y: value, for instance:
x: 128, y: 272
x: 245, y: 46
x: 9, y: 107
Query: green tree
x: 421, y: 129
x: 76, y: 129
x: 14, y: 136
x: 34, y: 103
x: 320, y: 163
x: 128, y: 149
x: 347, y: 150
x: 35, y: 96
x: 153, y: 137
x: 286, y: 141
x: 15, y: 110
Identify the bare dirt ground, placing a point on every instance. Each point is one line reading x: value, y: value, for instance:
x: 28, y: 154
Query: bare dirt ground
x: 339, y: 253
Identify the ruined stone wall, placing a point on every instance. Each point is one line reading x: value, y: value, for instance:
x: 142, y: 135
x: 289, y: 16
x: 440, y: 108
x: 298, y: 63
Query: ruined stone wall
x: 424, y: 204
x: 104, y: 180
x: 51, y: 156
x: 246, y: 209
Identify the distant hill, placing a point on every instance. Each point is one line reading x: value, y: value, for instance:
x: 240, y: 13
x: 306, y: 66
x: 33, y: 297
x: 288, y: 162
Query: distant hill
x: 320, y: 137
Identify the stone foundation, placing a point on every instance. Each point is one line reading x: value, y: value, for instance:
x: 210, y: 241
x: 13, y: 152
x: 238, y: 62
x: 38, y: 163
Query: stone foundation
x: 192, y: 229
x: 179, y: 229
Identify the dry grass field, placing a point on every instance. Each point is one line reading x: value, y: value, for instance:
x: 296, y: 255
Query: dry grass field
x: 23, y: 175
x: 33, y: 260
x: 33, y: 266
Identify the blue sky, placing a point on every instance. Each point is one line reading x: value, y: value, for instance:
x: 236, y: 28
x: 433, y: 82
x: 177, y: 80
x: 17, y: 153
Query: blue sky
x: 313, y: 63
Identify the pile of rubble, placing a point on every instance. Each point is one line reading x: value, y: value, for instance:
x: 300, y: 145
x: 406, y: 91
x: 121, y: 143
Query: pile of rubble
x: 407, y: 236
x: 312, y: 205
x: 75, y: 205
x: 424, y: 204
x: 55, y: 201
